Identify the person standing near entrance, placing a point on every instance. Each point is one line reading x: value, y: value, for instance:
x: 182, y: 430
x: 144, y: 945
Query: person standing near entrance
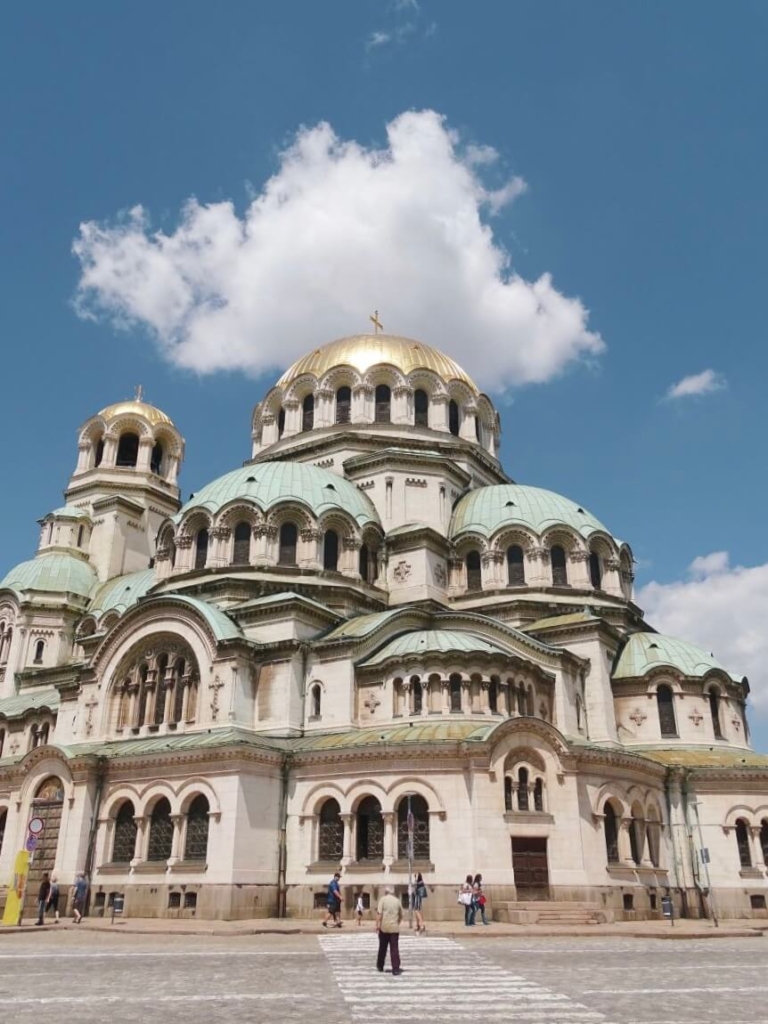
x: 465, y: 899
x: 478, y: 900
x: 79, y: 892
x: 53, y: 898
x: 42, y: 897
x: 333, y: 902
x: 417, y: 896
x: 389, y: 915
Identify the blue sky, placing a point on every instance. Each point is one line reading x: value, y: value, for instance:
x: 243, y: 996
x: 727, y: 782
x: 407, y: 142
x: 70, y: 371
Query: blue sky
x: 639, y: 131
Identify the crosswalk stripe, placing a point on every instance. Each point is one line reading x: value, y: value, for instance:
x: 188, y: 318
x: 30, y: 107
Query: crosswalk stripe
x: 435, y: 973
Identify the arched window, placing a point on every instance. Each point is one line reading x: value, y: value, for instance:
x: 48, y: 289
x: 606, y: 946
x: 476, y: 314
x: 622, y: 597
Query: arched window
x: 578, y: 711
x: 370, y: 830
x: 714, y: 711
x: 493, y: 696
x: 416, y: 695
x: 559, y: 567
x: 198, y: 817
x: 453, y: 418
x: 80, y: 532
x: 160, y: 831
x: 595, y: 573
x: 515, y: 566
x: 128, y: 450
x: 161, y: 691
x: 363, y: 562
x: 280, y: 422
x: 421, y: 408
x: 520, y: 699
x: 172, y: 552
x: 522, y: 790
x: 331, y: 551
x: 39, y: 652
x: 529, y: 702
x: 201, y: 549
x: 317, y: 697
x: 635, y: 838
x: 143, y: 695
x: 611, y: 826
x: 308, y: 412
x: 508, y: 790
x: 538, y: 795
x: 478, y: 430
x: 652, y: 834
x: 2, y: 741
x: 241, y: 551
x: 383, y: 404
x: 455, y: 689
x: 7, y: 646
x: 179, y: 671
x: 474, y: 573
x: 742, y: 842
x: 666, y: 709
x: 343, y: 404
x: 3, y: 820
x: 420, y: 821
x: 764, y: 839
x: 331, y: 832
x: 99, y: 455
x: 156, y: 461
x: 124, y: 845
x: 288, y: 540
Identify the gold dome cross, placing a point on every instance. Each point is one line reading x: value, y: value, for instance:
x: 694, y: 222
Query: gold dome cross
x: 377, y: 324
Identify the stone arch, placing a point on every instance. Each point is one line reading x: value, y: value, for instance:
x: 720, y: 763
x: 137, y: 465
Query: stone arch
x: 298, y: 389
x: 191, y: 788
x: 118, y: 796
x: 611, y: 791
x: 412, y: 784
x: 317, y: 795
x: 363, y: 788
x: 152, y: 794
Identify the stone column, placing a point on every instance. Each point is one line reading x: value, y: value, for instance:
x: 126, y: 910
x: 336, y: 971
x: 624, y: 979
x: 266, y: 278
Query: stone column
x: 406, y: 709
x: 466, y: 696
x: 485, y: 704
x: 324, y: 408
x: 578, y: 569
x: 349, y: 556
x: 467, y: 429
x: 109, y: 455
x: 389, y: 836
x: 218, y: 553
x: 611, y: 582
x: 107, y: 830
x: 347, y: 821
x: 308, y: 556
x: 445, y: 688
x: 173, y: 469
x: 142, y: 837
x: 146, y: 444
x: 438, y: 412
x: 292, y: 418
x: 758, y: 858
x: 179, y: 821
x: 268, y: 430
x: 625, y: 849
x: 83, y: 456
x: 401, y: 412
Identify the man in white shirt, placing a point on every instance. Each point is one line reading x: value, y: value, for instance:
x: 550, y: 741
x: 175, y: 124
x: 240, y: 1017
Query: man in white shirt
x: 389, y: 915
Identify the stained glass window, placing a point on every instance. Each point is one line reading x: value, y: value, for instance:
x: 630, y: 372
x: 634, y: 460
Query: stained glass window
x: 124, y: 847
x: 331, y: 837
x: 160, y: 831
x: 515, y: 566
x: 370, y: 830
x: 420, y: 813
x: 611, y: 834
x: 196, y: 845
x: 666, y: 708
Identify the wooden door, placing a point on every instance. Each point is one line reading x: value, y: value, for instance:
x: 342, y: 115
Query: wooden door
x: 529, y: 863
x: 48, y: 805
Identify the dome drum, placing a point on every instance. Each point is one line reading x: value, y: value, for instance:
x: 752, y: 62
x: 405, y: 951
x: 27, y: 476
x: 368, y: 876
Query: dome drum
x: 131, y: 435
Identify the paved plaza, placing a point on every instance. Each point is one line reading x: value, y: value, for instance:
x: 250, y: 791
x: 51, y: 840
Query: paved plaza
x: 74, y: 975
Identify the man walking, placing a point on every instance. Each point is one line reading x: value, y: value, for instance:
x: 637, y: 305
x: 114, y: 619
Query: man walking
x: 333, y: 902
x: 79, y: 892
x: 42, y: 897
x: 389, y: 915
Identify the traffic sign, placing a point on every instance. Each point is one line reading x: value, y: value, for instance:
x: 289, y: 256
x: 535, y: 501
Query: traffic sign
x: 31, y: 844
x: 36, y: 826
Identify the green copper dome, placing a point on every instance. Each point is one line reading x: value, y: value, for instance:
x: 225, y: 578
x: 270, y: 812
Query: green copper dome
x: 57, y: 573
x: 645, y: 651
x: 487, y: 509
x: 434, y: 641
x: 121, y: 593
x: 268, y: 483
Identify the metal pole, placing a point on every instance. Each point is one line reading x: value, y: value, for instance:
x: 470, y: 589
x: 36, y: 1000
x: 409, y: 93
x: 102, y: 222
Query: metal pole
x: 706, y: 866
x: 410, y: 864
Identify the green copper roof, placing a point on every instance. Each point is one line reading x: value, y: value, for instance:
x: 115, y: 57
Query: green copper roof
x: 486, y: 509
x: 120, y: 593
x: 705, y: 757
x: 361, y: 625
x: 434, y: 641
x: 417, y: 732
x: 63, y: 574
x: 68, y: 512
x: 269, y: 483
x: 222, y: 626
x: 15, y: 707
x: 644, y: 651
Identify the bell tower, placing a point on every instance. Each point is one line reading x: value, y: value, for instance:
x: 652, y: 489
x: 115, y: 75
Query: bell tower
x: 129, y: 457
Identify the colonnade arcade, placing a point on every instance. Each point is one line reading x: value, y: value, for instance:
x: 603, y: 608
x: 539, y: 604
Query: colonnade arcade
x: 156, y: 685
x: 369, y: 835
x: 469, y: 694
x: 157, y: 835
x: 632, y: 836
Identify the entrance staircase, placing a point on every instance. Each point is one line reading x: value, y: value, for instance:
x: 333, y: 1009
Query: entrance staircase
x: 551, y: 912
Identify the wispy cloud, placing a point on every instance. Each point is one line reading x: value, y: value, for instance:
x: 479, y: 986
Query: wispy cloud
x: 703, y: 383
x: 376, y: 39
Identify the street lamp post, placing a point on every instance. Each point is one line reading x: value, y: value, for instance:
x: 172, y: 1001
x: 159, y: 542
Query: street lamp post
x: 704, y: 858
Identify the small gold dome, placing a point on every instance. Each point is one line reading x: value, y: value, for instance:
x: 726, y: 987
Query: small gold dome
x: 137, y: 408
x: 362, y: 351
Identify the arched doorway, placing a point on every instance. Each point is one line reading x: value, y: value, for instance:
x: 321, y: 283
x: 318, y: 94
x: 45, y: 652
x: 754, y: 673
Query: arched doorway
x: 47, y: 804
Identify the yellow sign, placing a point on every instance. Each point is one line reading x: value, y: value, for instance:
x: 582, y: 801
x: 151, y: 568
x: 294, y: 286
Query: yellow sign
x: 14, y: 901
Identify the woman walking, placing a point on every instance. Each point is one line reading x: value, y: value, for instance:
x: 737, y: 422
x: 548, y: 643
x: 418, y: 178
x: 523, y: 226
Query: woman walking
x: 53, y: 898
x: 419, y: 893
x: 478, y: 899
x: 465, y: 898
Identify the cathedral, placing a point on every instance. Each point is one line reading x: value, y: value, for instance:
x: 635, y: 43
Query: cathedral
x: 366, y: 649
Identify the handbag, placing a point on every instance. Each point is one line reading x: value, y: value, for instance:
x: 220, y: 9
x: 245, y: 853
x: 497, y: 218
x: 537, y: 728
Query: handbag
x: 421, y: 892
x: 465, y: 898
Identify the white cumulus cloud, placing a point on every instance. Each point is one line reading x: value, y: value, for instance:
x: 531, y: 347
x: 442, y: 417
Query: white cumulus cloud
x: 339, y: 230
x: 721, y: 608
x: 703, y: 383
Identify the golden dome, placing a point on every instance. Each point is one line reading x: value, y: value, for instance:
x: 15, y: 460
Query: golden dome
x: 362, y: 351
x: 138, y: 408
